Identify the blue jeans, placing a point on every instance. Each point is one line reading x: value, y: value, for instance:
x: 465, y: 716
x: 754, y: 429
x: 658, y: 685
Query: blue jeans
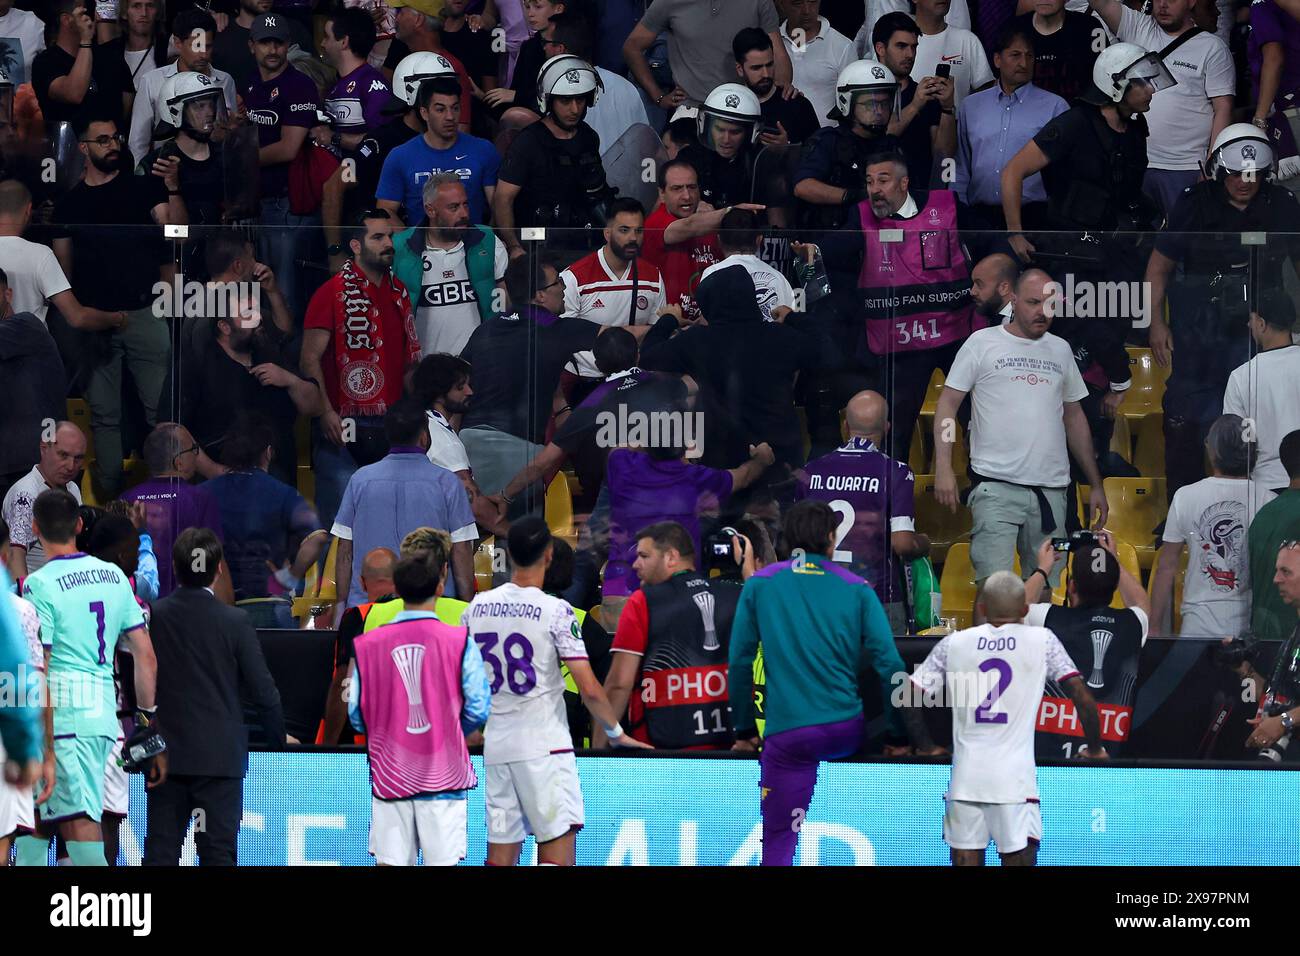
x: 334, y: 467
x: 284, y: 239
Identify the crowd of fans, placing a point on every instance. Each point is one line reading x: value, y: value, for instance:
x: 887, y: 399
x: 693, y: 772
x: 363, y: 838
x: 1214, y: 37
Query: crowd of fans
x: 317, y: 276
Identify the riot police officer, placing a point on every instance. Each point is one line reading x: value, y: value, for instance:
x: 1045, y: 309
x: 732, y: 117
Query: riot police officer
x: 1218, y: 276
x: 552, y: 173
x: 727, y: 126
x: 831, y: 179
x: 1092, y: 157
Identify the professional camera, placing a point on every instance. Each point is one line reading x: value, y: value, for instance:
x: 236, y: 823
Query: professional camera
x: 1077, y: 541
x: 1238, y: 651
x: 720, y: 555
x: 1277, y: 750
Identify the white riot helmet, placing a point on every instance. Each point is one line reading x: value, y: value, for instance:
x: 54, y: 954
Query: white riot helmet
x: 567, y: 75
x: 180, y: 94
x: 1240, y: 148
x: 415, y: 69
x: 862, y: 76
x: 1120, y: 64
x: 731, y: 103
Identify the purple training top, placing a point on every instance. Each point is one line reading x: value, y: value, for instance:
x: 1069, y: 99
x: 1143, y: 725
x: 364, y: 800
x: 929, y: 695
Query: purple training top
x: 1269, y: 23
x: 873, y: 496
x: 288, y: 100
x: 357, y: 100
x: 643, y: 491
x: 170, y: 506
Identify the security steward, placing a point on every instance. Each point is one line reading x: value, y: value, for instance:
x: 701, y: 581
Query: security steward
x: 1092, y: 157
x: 728, y: 126
x: 1211, y: 276
x: 831, y: 178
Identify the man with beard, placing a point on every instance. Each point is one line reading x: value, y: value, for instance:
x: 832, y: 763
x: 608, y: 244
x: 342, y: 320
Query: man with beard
x: 116, y: 276
x: 281, y: 103
x: 442, y: 149
x: 456, y: 266
x: 441, y: 385
x: 614, y: 285
x: 830, y: 177
x: 786, y: 118
x: 360, y: 326
x: 552, y: 174
x: 993, y: 287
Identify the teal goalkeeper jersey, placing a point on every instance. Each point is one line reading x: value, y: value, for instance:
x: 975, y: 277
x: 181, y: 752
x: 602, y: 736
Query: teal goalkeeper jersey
x: 84, y: 605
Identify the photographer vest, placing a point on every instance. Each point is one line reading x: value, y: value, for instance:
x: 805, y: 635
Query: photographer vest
x: 683, y: 690
x: 1104, y: 643
x: 916, y: 291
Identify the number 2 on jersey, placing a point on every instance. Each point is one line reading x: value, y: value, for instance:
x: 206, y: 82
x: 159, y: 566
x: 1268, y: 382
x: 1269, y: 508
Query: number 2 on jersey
x: 518, y: 670
x: 983, y: 714
x: 847, y: 517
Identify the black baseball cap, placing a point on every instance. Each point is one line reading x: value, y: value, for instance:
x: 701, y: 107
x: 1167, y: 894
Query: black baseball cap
x: 269, y: 26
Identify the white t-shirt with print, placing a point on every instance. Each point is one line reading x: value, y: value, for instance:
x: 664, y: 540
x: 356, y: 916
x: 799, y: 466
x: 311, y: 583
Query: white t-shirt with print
x: 1180, y: 117
x: 1266, y: 390
x: 771, y: 289
x: 1212, y: 517
x: 1018, y: 390
x: 22, y: 36
x: 961, y: 50
x: 446, y: 311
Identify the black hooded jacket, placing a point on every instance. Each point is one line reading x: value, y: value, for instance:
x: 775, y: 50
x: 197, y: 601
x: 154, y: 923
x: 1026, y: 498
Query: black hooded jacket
x: 745, y: 367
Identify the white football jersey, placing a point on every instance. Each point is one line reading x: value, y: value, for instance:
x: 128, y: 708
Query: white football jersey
x: 993, y: 679
x: 524, y: 634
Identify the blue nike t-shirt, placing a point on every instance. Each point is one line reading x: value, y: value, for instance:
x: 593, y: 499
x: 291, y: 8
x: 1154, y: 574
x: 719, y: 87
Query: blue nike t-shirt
x: 410, y: 165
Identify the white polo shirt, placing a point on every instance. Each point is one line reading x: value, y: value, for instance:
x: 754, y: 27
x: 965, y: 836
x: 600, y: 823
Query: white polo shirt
x: 1181, y: 117
x: 17, y: 510
x: 817, y: 63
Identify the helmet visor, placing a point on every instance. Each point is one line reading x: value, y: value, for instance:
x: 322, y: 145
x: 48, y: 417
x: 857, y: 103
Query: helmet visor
x: 1151, y: 70
x: 726, y: 136
x: 1246, y: 155
x: 203, y: 113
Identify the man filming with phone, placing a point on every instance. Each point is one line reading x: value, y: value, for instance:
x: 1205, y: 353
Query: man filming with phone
x: 1104, y: 641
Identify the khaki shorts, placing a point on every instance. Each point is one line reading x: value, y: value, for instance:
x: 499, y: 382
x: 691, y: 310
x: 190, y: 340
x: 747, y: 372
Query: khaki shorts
x: 1007, y: 520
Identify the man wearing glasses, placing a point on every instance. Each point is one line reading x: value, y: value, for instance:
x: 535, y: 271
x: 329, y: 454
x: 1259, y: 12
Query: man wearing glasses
x: 171, y: 503
x: 109, y: 245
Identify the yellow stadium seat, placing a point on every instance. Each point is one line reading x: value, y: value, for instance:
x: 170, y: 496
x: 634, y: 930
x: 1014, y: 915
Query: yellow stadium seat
x: 917, y: 459
x: 307, y: 483
x: 1128, y: 559
x: 319, y: 589
x: 932, y: 518
x: 88, y: 496
x: 302, y: 439
x: 1149, y: 455
x: 957, y: 585
x: 79, y: 415
x: 1121, y: 439
x: 483, y: 561
x: 931, y: 401
x: 1081, y: 495
x: 559, y: 509
x: 1175, y: 608
x: 1148, y: 389
x: 329, y: 586
x: 597, y: 614
x: 1137, y: 505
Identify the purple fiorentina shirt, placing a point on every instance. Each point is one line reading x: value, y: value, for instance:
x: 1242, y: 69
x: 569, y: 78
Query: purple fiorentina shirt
x: 643, y: 491
x: 1270, y: 24
x: 288, y: 100
x: 357, y: 100
x: 171, y: 506
x: 873, y: 495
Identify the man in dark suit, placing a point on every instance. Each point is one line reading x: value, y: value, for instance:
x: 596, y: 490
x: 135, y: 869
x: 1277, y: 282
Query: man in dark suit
x: 207, y: 654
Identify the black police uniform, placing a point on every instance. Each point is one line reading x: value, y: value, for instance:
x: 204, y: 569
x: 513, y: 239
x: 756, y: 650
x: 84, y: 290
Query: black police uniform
x: 1216, y: 278
x: 837, y: 156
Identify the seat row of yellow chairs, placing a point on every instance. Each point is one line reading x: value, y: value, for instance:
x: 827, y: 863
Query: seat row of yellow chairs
x: 957, y: 582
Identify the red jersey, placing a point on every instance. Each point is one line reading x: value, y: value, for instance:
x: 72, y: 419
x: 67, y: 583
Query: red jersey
x: 681, y: 263
x: 372, y: 341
